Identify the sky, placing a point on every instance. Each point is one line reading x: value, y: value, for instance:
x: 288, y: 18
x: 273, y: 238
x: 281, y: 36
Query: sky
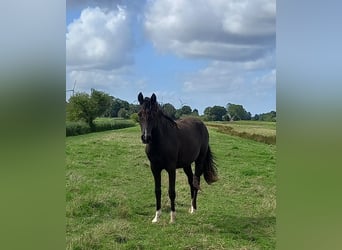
x: 199, y: 53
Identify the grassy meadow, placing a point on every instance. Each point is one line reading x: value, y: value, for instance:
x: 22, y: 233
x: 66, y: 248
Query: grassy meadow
x: 110, y: 196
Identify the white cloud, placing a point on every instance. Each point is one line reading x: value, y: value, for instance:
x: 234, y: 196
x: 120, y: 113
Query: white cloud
x: 215, y: 29
x: 248, y: 83
x: 99, y: 39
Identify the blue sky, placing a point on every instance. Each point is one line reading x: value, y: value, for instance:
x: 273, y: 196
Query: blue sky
x: 199, y: 53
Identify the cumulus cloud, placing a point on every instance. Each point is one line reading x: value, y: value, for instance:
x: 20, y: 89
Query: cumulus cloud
x: 222, y: 82
x: 222, y: 76
x: 99, y: 39
x: 215, y: 29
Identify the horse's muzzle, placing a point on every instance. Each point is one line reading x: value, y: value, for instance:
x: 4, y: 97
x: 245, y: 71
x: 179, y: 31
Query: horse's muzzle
x: 146, y: 139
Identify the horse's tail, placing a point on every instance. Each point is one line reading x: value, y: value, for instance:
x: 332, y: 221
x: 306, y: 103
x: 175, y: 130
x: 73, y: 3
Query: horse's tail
x: 209, y: 168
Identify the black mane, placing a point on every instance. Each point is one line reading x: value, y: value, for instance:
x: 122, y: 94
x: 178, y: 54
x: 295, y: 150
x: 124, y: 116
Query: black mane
x: 166, y: 116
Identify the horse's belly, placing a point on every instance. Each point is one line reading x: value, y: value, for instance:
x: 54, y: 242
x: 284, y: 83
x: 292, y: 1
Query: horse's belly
x: 187, y: 156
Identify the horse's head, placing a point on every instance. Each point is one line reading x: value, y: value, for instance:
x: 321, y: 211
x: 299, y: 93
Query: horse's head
x: 147, y: 116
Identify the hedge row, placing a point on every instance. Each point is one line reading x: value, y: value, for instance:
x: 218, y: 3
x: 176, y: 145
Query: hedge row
x: 79, y: 128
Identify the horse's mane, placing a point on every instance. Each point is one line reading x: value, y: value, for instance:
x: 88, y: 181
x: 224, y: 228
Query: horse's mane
x: 157, y: 108
x: 166, y: 116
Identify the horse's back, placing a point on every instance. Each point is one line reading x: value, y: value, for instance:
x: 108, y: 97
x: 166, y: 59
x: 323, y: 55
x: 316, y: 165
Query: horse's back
x: 192, y: 127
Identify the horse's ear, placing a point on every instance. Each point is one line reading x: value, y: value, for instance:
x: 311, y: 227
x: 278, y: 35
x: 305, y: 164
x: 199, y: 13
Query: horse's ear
x: 141, y: 98
x: 153, y: 99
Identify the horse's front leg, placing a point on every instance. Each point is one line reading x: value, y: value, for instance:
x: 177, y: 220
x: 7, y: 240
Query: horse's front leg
x: 157, y: 191
x: 172, y: 193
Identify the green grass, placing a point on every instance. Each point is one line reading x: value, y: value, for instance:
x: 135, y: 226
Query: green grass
x: 110, y: 196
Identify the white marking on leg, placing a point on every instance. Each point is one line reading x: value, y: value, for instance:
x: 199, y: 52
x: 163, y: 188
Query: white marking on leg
x: 157, y: 216
x: 172, y: 217
x: 192, y: 209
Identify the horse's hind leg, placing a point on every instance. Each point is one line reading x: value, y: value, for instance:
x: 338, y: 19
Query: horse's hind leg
x: 193, y: 190
x: 197, y: 176
x: 199, y: 168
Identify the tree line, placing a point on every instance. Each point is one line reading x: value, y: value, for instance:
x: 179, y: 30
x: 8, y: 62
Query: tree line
x: 83, y: 106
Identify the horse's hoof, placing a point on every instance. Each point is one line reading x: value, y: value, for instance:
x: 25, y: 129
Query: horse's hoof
x: 192, y: 210
x: 172, y: 217
x: 156, y: 217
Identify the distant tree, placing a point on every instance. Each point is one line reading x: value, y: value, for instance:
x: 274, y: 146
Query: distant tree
x: 116, y: 105
x: 237, y: 112
x: 170, y: 110
x: 270, y: 116
x: 195, y: 112
x: 186, y: 110
x: 87, y: 107
x: 217, y: 113
x: 101, y: 100
x: 255, y: 117
x: 123, y: 113
x: 207, y: 114
x: 178, y: 113
x: 133, y: 108
x: 226, y: 117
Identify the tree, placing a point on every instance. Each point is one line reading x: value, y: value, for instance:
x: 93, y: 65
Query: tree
x: 207, y: 114
x: 195, y: 112
x: 87, y: 107
x: 217, y: 113
x: 170, y: 110
x: 116, y: 105
x: 185, y: 110
x: 270, y: 116
x: 237, y: 112
x: 255, y: 117
x: 123, y: 113
x: 100, y: 100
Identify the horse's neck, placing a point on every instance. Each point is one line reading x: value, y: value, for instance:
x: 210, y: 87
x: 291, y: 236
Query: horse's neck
x: 165, y: 127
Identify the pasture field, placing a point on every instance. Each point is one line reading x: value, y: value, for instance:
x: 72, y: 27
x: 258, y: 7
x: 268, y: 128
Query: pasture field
x: 255, y: 130
x: 110, y: 196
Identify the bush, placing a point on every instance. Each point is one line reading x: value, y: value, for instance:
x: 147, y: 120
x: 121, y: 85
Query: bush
x: 77, y: 128
x: 111, y: 124
x: 134, y: 117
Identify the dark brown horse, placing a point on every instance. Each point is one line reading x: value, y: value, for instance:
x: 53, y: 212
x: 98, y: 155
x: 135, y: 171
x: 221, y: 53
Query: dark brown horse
x: 171, y: 145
